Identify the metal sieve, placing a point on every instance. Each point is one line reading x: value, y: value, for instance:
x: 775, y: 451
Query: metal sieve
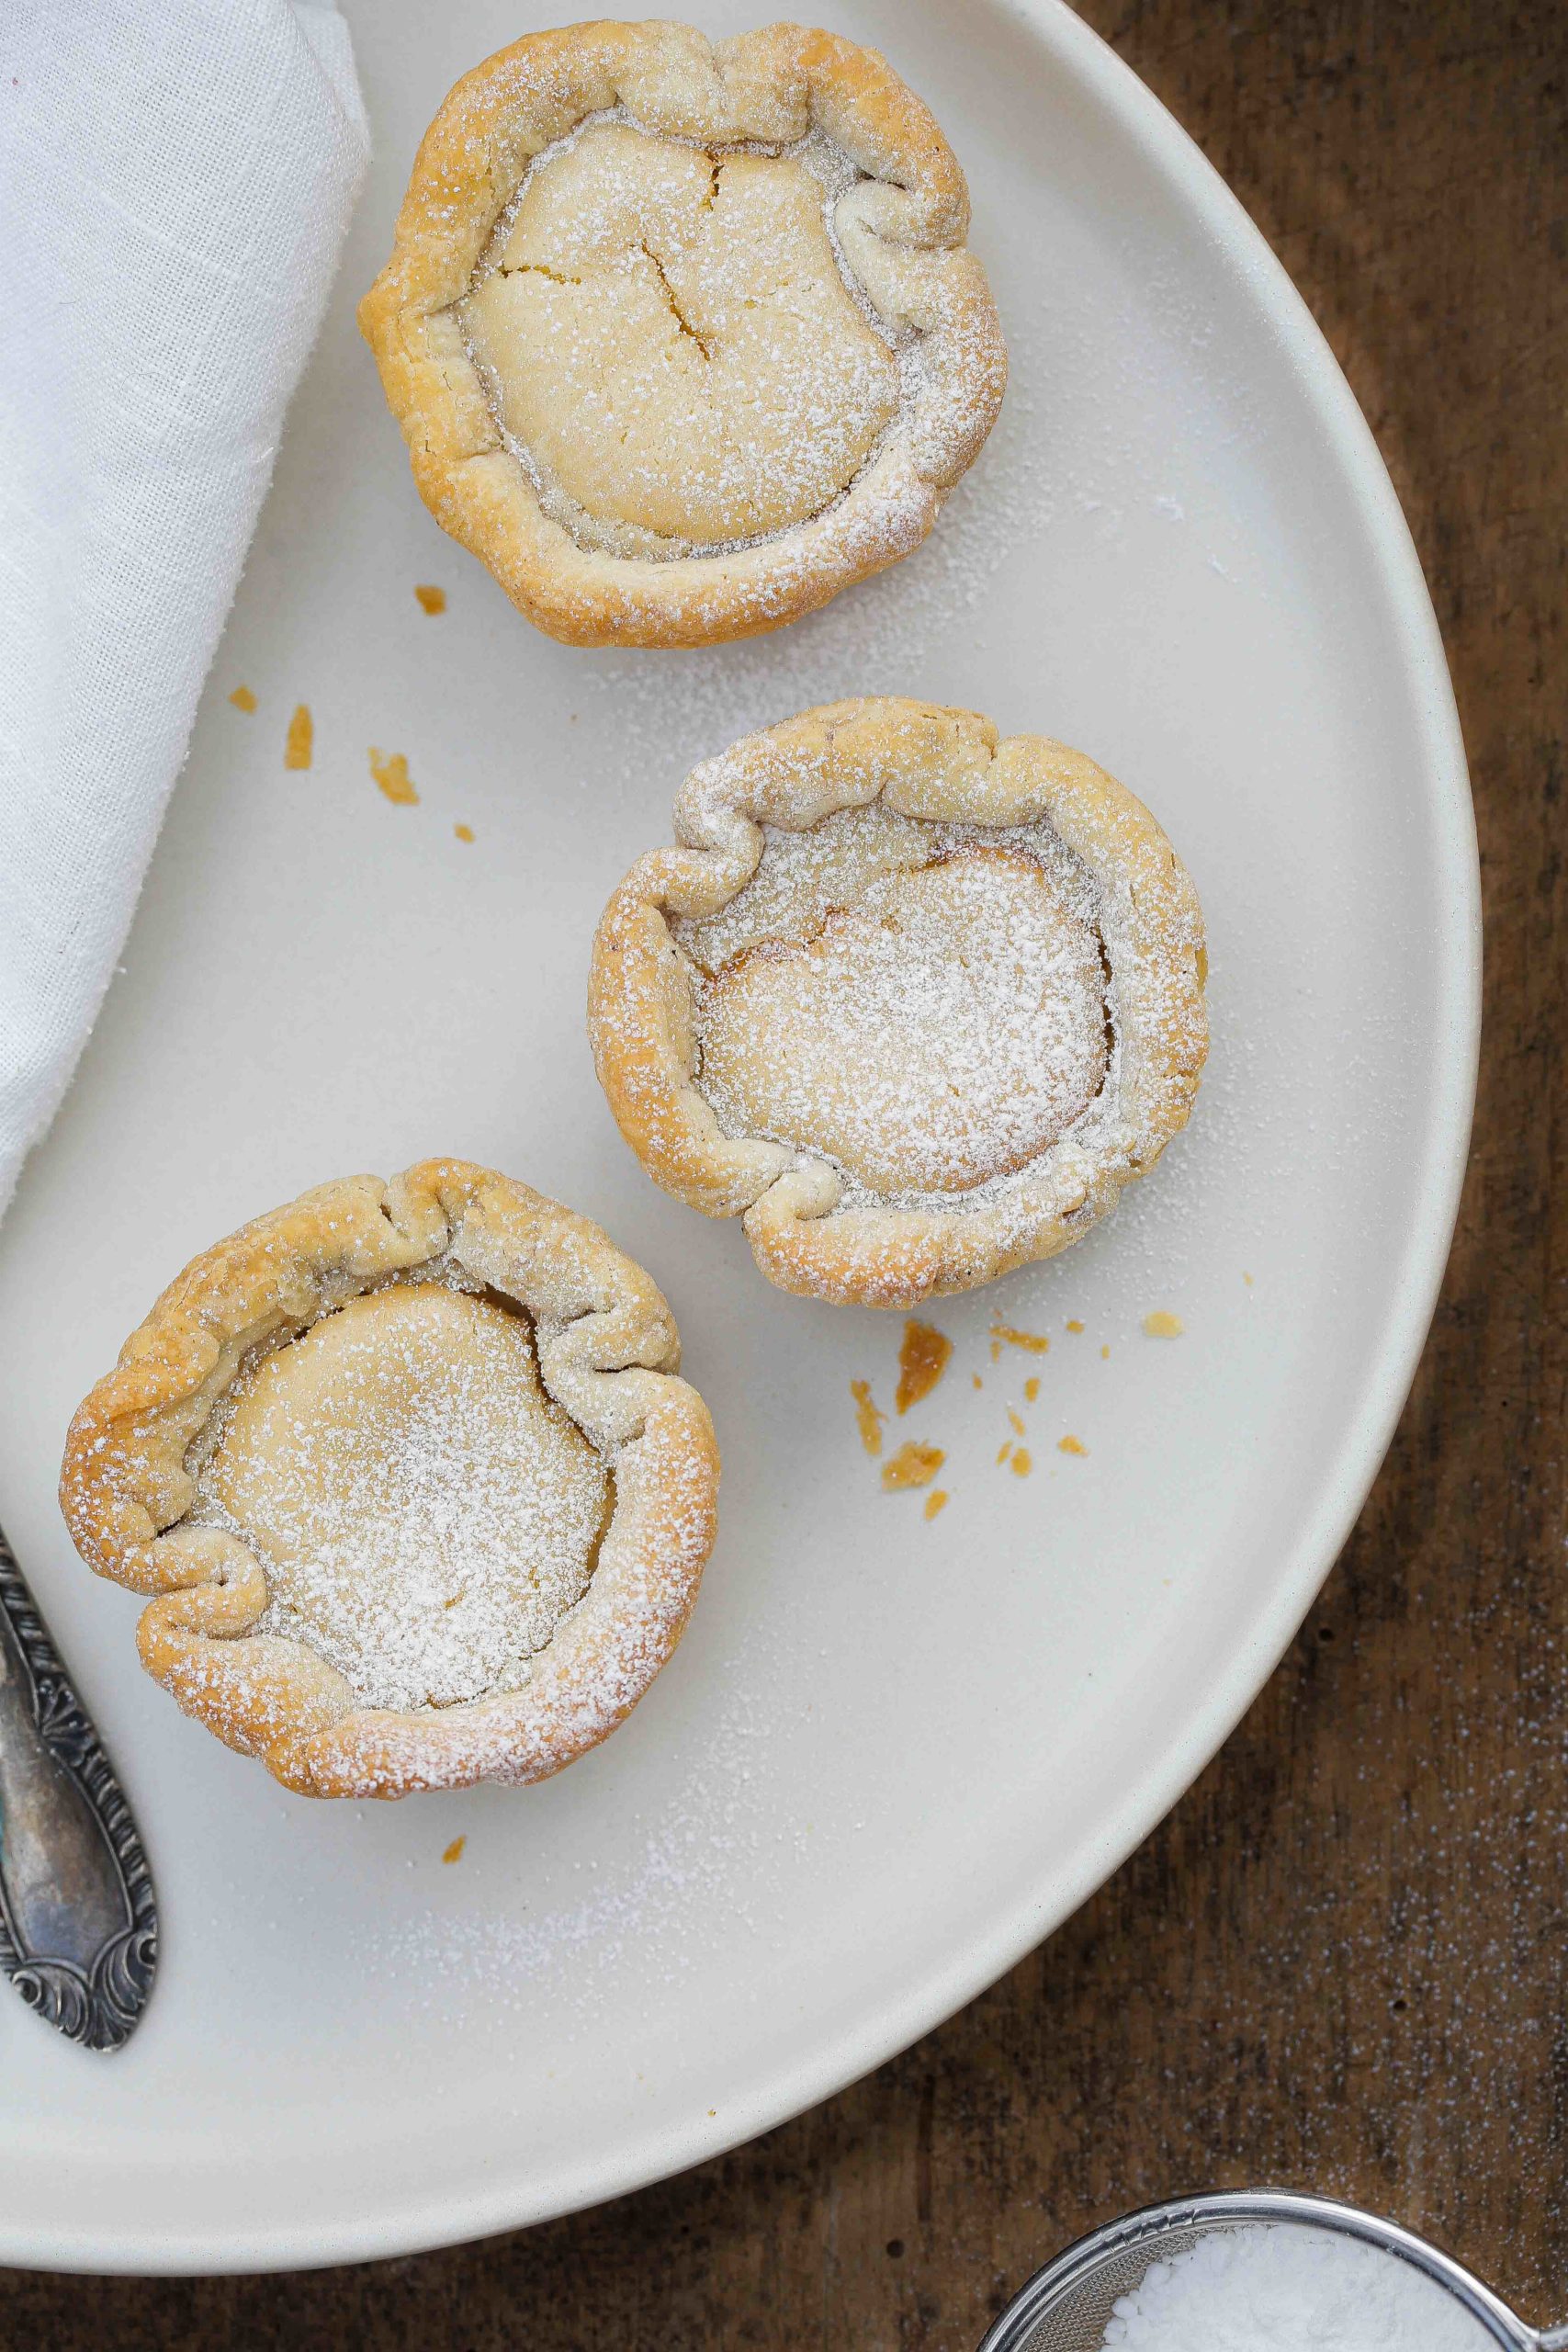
x: 1066, y: 2306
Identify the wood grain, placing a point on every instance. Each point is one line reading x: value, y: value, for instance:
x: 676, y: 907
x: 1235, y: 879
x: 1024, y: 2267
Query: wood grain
x: 1341, y: 1963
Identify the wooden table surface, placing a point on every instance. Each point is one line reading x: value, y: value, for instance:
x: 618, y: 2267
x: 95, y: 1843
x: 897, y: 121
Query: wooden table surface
x: 1342, y: 1964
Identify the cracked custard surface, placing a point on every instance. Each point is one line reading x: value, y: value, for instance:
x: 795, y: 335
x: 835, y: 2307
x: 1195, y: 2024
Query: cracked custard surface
x: 668, y: 337
x: 425, y: 1514
x: 925, y: 1009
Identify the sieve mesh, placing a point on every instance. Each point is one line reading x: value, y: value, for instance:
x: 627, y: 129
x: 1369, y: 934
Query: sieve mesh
x: 1074, y: 2319
x: 1066, y: 2307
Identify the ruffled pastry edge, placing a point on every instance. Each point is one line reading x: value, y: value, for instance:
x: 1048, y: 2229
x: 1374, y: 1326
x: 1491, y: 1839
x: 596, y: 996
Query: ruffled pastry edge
x: 943, y: 767
x: 902, y: 231
x: 608, y: 1351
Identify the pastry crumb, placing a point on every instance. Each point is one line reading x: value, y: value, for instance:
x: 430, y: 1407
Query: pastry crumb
x: 922, y: 1359
x: 937, y: 1500
x: 391, y: 770
x: 1003, y: 1335
x: 1162, y: 1325
x: 1246, y: 1278
x: 976, y: 1379
x: 867, y: 1415
x: 1015, y: 1422
x: 914, y: 1464
x: 300, y: 739
x: 1071, y: 1445
x: 1073, y: 1325
x: 432, y: 600
x: 455, y: 1850
x: 243, y: 700
x: 464, y: 833
x: 1105, y: 1355
x: 1022, y: 1462
x: 1031, y: 1388
x: 1006, y: 1450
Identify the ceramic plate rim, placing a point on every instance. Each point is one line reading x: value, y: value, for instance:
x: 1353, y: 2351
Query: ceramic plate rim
x: 438, y: 2218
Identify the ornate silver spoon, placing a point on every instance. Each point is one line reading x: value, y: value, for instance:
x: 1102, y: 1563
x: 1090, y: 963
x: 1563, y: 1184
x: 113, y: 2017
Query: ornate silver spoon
x: 78, y: 1921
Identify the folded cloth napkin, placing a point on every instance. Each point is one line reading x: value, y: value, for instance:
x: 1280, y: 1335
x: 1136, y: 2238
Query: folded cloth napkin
x: 175, y: 178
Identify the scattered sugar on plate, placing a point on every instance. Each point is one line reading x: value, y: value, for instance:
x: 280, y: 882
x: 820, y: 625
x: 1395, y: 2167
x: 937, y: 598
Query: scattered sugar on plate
x: 1267, y: 2289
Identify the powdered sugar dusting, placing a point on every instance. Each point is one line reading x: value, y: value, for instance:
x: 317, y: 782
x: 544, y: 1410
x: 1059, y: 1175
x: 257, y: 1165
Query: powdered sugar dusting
x: 699, y: 1847
x: 425, y: 1514
x: 673, y: 345
x: 943, y: 1028
x: 924, y: 1005
x: 1289, y: 2289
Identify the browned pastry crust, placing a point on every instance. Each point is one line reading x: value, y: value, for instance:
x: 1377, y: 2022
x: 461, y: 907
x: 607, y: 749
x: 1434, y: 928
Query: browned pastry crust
x: 900, y: 231
x: 607, y: 1351
x: 808, y: 1231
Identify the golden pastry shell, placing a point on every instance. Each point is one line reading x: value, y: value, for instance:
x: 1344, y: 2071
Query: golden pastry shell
x: 607, y: 1353
x: 945, y: 767
x: 902, y: 231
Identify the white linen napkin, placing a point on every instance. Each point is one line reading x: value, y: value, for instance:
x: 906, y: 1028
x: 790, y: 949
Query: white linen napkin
x: 175, y: 178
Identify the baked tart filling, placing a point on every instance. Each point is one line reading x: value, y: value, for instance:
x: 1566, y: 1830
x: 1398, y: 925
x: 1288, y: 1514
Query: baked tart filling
x: 942, y: 1026
x: 423, y: 1510
x: 915, y: 1002
x: 685, y: 337
x: 671, y: 342
x: 412, y: 1480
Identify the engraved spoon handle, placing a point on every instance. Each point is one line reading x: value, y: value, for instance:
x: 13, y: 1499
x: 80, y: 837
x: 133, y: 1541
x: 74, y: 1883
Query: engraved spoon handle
x: 78, y: 1919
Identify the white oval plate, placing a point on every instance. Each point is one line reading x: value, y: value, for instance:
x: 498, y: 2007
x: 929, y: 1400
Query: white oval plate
x: 891, y: 1755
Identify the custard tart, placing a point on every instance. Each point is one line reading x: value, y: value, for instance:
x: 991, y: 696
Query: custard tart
x: 914, y: 1002
x: 409, y: 1474
x: 685, y: 336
